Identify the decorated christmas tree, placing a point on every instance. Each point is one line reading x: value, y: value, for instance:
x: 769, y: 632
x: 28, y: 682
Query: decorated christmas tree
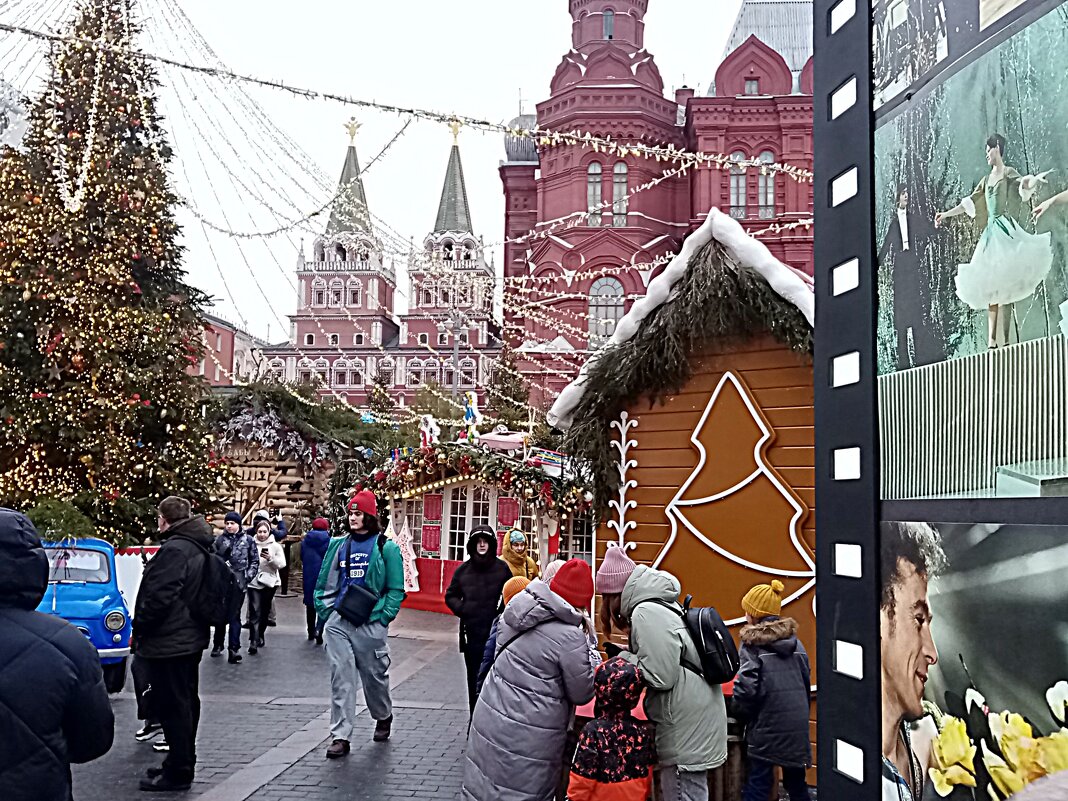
x: 383, y: 406
x: 509, y: 396
x: 97, y: 327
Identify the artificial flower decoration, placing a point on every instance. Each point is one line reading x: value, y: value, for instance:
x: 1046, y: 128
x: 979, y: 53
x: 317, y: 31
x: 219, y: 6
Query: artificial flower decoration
x: 954, y: 757
x: 1017, y: 742
x: 1057, y: 698
x: 1053, y: 752
x: 945, y: 780
x: 1006, y: 780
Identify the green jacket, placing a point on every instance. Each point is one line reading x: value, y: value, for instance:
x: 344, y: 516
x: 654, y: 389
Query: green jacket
x: 690, y: 714
x: 385, y: 577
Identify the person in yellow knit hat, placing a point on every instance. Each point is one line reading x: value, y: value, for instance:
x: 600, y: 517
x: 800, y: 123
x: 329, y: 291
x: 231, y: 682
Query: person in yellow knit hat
x: 771, y: 694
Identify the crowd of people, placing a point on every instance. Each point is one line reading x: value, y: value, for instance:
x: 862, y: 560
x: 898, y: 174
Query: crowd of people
x: 540, y: 662
x: 530, y: 649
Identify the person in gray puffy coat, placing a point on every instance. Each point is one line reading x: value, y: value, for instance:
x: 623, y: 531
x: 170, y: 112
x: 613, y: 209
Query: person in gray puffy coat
x: 515, y: 748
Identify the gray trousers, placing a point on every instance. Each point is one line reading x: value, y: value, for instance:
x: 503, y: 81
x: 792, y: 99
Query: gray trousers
x: 358, y: 656
x: 679, y: 785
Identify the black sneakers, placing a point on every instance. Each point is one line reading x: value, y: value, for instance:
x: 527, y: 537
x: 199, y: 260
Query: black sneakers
x: 147, y: 732
x: 217, y: 650
x: 234, y: 658
x: 383, y: 729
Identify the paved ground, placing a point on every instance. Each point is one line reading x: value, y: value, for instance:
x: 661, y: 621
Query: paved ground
x: 265, y: 724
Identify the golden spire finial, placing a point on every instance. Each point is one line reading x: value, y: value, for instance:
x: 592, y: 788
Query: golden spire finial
x: 455, y: 125
x: 352, y: 127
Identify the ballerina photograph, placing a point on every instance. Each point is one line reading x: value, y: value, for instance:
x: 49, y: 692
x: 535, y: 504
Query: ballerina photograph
x: 1009, y: 263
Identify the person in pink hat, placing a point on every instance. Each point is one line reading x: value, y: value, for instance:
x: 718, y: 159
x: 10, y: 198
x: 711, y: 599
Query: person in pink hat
x: 359, y: 593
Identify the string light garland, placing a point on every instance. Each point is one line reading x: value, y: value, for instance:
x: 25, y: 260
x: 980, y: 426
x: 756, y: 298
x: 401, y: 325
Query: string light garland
x: 544, y: 137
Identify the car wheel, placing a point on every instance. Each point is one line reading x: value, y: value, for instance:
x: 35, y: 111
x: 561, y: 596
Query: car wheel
x: 115, y: 676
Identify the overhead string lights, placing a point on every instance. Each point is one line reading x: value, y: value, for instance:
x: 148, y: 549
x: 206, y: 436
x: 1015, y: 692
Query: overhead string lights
x: 543, y: 137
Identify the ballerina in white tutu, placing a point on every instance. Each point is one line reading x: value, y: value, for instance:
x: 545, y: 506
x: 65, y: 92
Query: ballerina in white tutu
x: 1009, y: 262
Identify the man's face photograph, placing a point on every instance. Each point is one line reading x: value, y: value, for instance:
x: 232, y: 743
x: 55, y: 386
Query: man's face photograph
x: 908, y: 649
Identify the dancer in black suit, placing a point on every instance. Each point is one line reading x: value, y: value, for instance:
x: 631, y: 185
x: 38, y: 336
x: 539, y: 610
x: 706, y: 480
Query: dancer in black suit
x: 906, y: 241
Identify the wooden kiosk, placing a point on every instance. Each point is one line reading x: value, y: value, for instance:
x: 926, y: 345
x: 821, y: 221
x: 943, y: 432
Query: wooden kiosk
x: 697, y: 422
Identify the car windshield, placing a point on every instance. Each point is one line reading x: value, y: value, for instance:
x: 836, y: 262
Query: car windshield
x: 77, y: 564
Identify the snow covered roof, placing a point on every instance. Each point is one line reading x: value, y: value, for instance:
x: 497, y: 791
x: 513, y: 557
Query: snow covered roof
x: 793, y: 286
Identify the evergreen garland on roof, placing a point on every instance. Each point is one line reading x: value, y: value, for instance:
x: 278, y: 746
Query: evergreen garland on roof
x: 716, y: 301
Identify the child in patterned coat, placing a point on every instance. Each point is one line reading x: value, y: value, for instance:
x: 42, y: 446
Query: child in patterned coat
x: 616, y: 752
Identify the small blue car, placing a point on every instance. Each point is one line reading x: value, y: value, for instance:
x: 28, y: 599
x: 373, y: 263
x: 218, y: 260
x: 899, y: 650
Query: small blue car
x: 84, y: 591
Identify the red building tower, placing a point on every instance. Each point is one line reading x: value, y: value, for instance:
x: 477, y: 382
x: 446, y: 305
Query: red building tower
x: 564, y: 292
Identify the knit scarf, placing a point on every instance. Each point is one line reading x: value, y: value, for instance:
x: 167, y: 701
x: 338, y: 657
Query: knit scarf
x: 515, y: 561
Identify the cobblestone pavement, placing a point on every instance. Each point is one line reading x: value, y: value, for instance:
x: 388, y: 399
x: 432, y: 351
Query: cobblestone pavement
x: 265, y: 724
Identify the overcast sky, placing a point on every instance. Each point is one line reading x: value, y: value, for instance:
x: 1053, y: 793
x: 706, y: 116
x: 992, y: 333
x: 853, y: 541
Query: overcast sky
x: 471, y: 57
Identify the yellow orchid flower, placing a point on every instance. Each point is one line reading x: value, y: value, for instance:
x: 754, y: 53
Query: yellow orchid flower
x: 952, y: 747
x: 1053, y: 752
x: 1006, y: 780
x: 945, y: 781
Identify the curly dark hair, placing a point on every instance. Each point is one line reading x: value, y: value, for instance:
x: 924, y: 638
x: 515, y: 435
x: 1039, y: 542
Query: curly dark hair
x: 919, y: 544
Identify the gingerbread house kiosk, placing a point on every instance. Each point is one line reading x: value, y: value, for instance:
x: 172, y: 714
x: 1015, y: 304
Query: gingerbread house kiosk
x: 696, y: 421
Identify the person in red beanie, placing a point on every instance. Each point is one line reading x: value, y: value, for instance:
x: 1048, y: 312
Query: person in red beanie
x: 312, y: 551
x: 369, y: 565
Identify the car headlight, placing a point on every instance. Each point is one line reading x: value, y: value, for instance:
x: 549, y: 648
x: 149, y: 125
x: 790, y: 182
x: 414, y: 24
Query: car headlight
x: 115, y: 621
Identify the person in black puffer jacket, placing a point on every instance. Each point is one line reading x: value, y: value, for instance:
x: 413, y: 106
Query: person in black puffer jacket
x: 54, y: 709
x: 771, y: 693
x: 474, y: 596
x: 171, y: 640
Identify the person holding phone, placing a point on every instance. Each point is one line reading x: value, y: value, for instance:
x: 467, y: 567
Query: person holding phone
x: 262, y: 588
x: 359, y: 593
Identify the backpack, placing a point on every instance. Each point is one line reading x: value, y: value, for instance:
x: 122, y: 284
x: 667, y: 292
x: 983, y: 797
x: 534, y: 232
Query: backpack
x: 218, y: 599
x: 715, y: 645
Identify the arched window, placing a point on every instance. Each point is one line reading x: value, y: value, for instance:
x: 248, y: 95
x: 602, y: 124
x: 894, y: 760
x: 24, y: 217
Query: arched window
x: 430, y: 371
x: 619, y: 195
x: 341, y: 376
x: 608, y: 19
x: 447, y: 250
x: 322, y: 370
x: 277, y: 369
x: 448, y: 374
x: 467, y: 373
x: 334, y: 340
x: 355, y: 292
x: 341, y: 253
x: 357, y: 339
x: 429, y: 294
x: 356, y: 376
x: 318, y: 296
x: 336, y: 293
x: 606, y: 309
x: 766, y: 187
x: 415, y: 373
x: 319, y: 251
x: 309, y: 339
x: 593, y: 193
x: 387, y: 372
x: 737, y: 187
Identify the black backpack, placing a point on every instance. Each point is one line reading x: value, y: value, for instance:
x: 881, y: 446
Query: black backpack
x: 218, y: 598
x: 715, y: 645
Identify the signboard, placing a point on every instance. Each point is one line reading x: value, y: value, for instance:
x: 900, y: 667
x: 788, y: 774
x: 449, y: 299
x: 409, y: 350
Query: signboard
x: 942, y: 397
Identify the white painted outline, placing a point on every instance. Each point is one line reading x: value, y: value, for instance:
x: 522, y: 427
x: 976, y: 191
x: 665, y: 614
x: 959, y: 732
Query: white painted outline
x: 623, y: 425
x: 672, y: 510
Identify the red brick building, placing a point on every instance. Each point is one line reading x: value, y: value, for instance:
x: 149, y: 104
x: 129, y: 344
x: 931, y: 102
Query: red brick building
x: 565, y: 292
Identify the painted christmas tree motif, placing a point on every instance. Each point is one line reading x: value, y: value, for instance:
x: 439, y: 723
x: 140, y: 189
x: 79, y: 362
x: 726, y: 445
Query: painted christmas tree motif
x: 735, y: 505
x: 403, y: 538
